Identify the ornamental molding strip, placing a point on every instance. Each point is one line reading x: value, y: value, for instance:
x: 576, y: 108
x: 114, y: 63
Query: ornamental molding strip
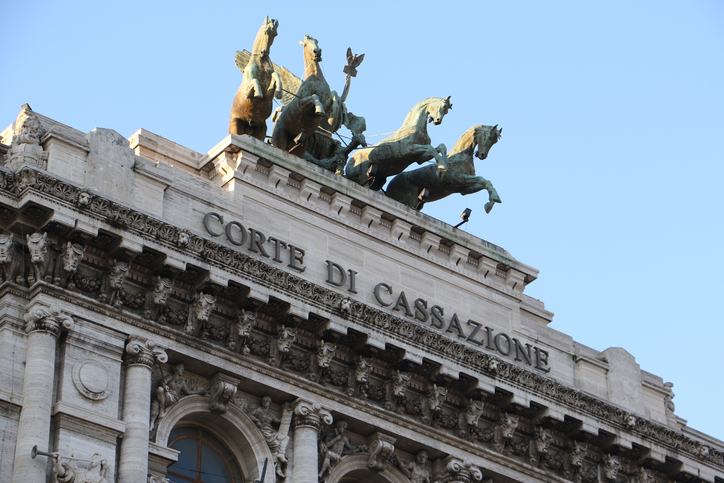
x: 245, y: 267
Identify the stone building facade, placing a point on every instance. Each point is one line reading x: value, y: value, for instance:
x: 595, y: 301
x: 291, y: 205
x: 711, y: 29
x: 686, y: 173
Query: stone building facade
x: 244, y: 316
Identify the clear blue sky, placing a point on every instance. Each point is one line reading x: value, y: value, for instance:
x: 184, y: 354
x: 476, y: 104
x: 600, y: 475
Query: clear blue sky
x: 610, y: 164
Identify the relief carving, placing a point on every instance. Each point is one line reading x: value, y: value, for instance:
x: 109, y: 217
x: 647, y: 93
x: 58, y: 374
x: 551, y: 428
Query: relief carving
x: 157, y: 297
x: 332, y: 447
x: 11, y: 262
x: 170, y: 389
x: 611, y: 464
x: 539, y: 445
x: 112, y: 286
x: 577, y: 453
x: 25, y: 147
x: 397, y: 387
x: 438, y: 343
x: 504, y: 431
x: 415, y: 471
x: 360, y: 384
x: 68, y: 471
x: 241, y: 331
x: 468, y: 426
x: 40, y: 258
x: 67, y: 266
x: 277, y: 442
x: 284, y: 340
x: 199, y: 312
x: 319, y: 362
x: 433, y: 403
x: 644, y: 476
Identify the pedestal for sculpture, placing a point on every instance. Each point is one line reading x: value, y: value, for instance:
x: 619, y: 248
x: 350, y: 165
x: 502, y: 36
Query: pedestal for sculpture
x: 140, y: 356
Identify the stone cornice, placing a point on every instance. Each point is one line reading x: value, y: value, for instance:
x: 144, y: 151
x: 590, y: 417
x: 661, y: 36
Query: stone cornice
x: 407, y: 332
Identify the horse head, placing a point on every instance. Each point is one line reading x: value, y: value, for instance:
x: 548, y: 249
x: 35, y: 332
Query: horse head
x: 485, y: 137
x: 437, y: 109
x: 312, y: 52
x: 265, y: 37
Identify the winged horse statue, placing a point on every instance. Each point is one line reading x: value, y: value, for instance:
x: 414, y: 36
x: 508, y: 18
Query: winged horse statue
x: 253, y: 102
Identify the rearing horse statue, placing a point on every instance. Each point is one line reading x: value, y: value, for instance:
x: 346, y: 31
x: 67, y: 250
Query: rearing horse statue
x: 305, y: 111
x: 460, y: 177
x: 253, y: 102
x: 409, y: 144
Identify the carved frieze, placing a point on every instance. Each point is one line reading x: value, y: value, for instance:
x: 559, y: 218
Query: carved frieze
x: 372, y: 318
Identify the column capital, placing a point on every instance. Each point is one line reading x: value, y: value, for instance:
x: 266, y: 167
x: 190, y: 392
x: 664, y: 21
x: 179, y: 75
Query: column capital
x: 310, y: 414
x: 140, y: 350
x: 40, y: 318
x: 456, y: 470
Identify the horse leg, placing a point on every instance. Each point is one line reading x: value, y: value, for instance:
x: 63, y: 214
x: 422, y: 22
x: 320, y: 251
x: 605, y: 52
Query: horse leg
x: 254, y: 89
x: 275, y: 86
x: 318, y: 106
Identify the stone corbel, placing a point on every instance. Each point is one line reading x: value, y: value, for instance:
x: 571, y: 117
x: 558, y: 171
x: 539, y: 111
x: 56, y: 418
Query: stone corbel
x: 459, y: 255
x: 246, y: 162
x: 381, y: 448
x: 515, y: 280
x: 47, y: 319
x: 223, y: 166
x: 456, y: 470
x: 309, y: 190
x: 400, y: 230
x: 371, y: 216
x: 340, y: 203
x: 487, y: 267
x: 278, y: 176
x: 430, y: 243
x: 223, y: 388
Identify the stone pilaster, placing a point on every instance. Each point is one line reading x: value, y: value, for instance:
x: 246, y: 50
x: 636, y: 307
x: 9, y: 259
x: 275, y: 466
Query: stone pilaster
x: 139, y: 358
x: 43, y: 325
x: 308, y: 418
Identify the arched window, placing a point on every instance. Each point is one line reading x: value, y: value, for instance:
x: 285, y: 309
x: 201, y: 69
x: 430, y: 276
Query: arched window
x: 202, y: 458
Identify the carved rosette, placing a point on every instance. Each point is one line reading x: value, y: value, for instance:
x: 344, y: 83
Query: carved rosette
x: 459, y: 471
x: 144, y: 352
x: 223, y: 389
x: 47, y: 319
x: 381, y: 448
x: 311, y: 415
